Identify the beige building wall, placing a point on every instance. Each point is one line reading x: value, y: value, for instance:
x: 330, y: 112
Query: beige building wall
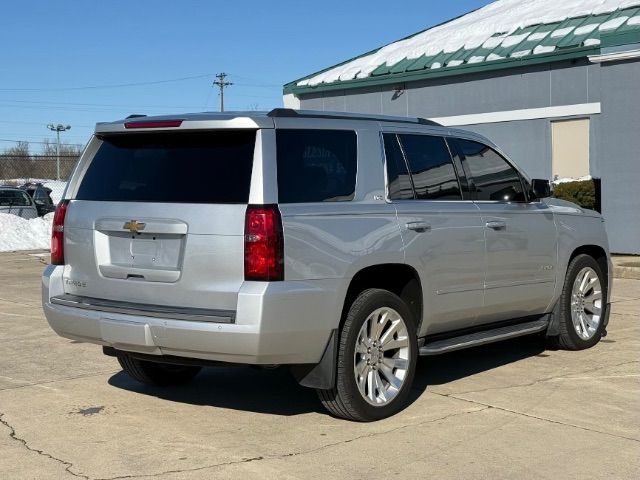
x: 570, y: 148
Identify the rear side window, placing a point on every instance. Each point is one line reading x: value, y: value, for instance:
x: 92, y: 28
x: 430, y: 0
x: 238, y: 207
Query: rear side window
x: 492, y: 176
x: 176, y: 167
x: 316, y: 165
x: 398, y: 178
x: 434, y: 177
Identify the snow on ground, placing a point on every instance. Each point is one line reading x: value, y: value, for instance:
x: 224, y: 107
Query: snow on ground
x: 558, y: 181
x: 16, y: 233
x: 471, y: 31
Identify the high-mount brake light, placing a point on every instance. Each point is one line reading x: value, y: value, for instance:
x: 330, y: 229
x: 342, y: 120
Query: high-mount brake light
x: 57, y: 234
x: 154, y: 124
x: 263, y: 244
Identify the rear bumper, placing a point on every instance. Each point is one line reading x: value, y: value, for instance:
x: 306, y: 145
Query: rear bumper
x: 274, y: 323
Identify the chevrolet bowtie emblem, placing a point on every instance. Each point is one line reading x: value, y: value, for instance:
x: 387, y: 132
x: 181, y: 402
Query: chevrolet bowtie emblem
x: 134, y: 226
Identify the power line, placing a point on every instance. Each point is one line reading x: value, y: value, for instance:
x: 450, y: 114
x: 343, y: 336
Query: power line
x: 44, y: 138
x: 115, y: 105
x: 76, y: 107
x: 39, y: 143
x: 14, y: 122
x: 257, y: 85
x: 256, y: 82
x: 35, y: 155
x: 92, y: 87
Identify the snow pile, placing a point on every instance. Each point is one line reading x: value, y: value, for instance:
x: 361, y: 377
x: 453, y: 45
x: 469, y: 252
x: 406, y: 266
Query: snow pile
x: 16, y: 233
x: 57, y: 189
x: 471, y: 31
x: 558, y: 181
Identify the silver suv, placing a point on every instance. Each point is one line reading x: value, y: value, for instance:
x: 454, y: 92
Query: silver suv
x: 341, y: 245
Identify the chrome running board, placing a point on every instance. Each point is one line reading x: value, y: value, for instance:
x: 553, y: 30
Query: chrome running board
x: 475, y: 339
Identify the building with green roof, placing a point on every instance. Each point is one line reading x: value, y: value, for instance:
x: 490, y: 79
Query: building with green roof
x: 555, y: 84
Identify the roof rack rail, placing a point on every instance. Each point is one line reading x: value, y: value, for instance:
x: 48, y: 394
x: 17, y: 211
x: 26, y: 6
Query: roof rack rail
x: 290, y: 112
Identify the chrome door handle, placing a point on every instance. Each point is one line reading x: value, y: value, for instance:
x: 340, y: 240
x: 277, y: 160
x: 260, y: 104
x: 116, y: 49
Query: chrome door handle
x: 496, y: 225
x: 418, y: 226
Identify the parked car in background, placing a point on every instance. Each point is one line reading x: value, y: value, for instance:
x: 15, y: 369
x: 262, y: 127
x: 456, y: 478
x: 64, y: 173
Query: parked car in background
x: 15, y: 201
x: 41, y: 196
x: 341, y: 245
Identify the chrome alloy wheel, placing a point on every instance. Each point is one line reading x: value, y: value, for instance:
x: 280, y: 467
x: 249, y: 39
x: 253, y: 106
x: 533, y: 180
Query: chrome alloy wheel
x: 381, y: 357
x: 586, y: 303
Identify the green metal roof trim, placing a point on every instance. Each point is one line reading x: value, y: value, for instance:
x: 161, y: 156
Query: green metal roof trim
x: 569, y: 39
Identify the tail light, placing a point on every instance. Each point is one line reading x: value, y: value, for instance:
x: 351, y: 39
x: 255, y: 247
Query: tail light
x: 263, y: 244
x: 57, y: 234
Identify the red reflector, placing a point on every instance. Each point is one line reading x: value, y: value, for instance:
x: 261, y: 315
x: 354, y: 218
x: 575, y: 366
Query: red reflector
x: 154, y: 124
x: 57, y: 234
x: 263, y: 244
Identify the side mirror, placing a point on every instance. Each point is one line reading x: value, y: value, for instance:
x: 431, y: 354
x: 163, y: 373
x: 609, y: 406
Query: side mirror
x: 540, y: 188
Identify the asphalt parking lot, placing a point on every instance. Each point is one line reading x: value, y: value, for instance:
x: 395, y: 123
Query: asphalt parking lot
x: 510, y: 410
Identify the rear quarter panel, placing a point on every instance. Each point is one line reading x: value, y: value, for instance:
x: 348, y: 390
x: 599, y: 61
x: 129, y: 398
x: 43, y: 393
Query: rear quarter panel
x: 335, y: 240
x: 577, y: 227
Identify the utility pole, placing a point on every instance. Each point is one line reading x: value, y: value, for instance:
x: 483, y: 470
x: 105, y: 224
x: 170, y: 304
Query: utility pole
x: 58, y: 128
x: 221, y: 83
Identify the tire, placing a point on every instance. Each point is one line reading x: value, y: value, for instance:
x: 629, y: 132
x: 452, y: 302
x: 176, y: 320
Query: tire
x: 574, y: 336
x: 359, y: 403
x: 155, y: 373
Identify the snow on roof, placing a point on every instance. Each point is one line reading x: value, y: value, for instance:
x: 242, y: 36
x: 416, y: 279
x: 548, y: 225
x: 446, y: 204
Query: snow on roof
x: 497, y: 25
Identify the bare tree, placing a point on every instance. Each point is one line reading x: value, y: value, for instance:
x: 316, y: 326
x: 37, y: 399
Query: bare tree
x: 19, y: 164
x: 16, y: 162
x: 66, y: 150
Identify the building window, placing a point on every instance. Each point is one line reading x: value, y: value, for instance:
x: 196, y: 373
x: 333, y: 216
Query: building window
x: 570, y: 148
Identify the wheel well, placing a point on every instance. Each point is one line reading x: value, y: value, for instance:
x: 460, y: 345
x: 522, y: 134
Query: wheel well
x: 400, y: 279
x: 598, y: 254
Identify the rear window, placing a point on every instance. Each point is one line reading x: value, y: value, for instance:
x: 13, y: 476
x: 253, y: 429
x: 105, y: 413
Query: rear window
x: 177, y: 167
x: 14, y: 198
x: 316, y: 165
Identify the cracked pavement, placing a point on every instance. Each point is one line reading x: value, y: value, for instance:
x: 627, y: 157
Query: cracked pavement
x: 509, y: 410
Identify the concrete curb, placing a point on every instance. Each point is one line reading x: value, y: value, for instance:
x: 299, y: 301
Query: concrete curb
x: 632, y: 273
x: 626, y: 266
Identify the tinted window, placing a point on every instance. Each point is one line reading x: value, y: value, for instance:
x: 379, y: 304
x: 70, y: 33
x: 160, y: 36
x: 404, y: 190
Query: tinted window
x: 492, y: 176
x: 316, y: 165
x: 42, y: 195
x: 188, y: 167
x: 434, y: 176
x: 39, y: 194
x: 14, y: 198
x: 399, y: 181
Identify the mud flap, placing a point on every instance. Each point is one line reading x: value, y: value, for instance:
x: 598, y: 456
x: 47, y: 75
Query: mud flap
x: 605, y: 320
x: 553, y: 330
x: 323, y: 374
